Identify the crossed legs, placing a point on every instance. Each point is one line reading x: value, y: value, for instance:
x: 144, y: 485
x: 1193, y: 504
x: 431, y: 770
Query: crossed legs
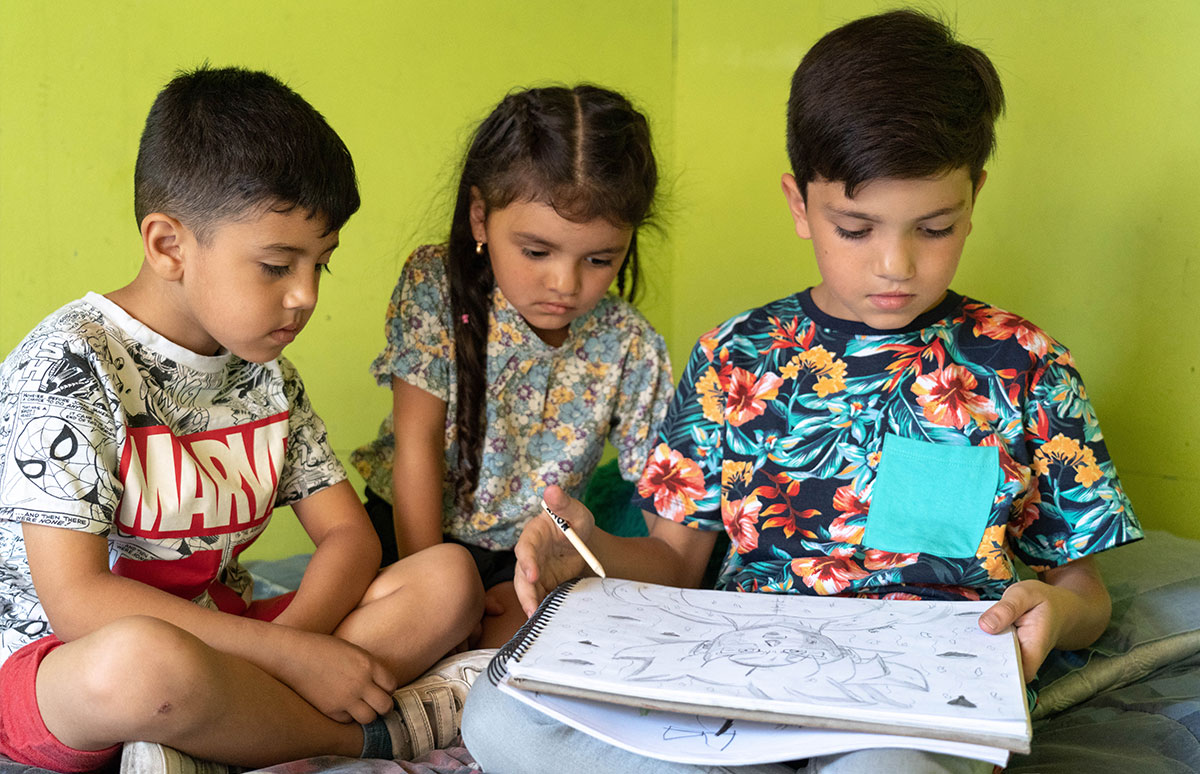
x: 140, y: 678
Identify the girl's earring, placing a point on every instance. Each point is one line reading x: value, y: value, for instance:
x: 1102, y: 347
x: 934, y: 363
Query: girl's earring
x: 479, y: 247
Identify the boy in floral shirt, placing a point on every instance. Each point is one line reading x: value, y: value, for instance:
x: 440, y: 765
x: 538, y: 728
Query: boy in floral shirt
x: 877, y: 435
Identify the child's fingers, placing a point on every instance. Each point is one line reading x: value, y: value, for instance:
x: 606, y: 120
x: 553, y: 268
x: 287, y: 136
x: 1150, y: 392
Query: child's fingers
x: 385, y: 680
x: 531, y: 547
x: 363, y: 712
x: 529, y: 603
x: 544, y: 556
x: 571, y: 510
x: 998, y: 617
x: 535, y: 551
x: 530, y: 555
x: 1017, y: 601
x: 340, y: 716
x: 528, y: 594
x: 1033, y: 628
x: 379, y: 700
x: 557, y: 499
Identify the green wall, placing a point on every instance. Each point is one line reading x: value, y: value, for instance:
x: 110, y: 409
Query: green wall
x: 1086, y: 224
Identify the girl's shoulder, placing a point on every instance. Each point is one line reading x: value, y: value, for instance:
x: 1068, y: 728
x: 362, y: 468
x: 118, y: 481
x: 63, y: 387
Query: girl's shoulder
x: 426, y: 263
x: 423, y: 281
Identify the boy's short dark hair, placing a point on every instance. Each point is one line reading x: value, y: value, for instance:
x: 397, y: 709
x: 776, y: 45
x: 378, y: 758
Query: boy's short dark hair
x: 891, y: 96
x: 219, y: 142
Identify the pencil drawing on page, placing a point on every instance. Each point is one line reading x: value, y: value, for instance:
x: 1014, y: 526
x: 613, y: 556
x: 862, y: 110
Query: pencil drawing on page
x: 876, y: 654
x: 715, y: 733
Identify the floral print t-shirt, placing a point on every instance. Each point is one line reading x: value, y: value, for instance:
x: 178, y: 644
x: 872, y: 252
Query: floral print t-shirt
x: 549, y: 409
x: 912, y: 463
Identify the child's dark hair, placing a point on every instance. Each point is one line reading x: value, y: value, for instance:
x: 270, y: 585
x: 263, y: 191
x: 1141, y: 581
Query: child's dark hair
x: 219, y: 142
x: 586, y: 152
x: 891, y: 96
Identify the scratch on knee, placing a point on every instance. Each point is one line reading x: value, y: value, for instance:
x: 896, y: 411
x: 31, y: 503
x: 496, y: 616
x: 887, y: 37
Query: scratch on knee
x: 164, y: 708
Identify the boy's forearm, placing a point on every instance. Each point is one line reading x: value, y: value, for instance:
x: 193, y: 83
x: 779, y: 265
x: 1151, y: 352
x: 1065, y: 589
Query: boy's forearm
x: 334, y: 581
x: 1088, y: 609
x: 646, y: 559
x: 344, y: 562
x: 671, y: 555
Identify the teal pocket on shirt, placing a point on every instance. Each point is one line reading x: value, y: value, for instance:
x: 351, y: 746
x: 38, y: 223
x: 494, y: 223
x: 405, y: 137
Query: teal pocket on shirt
x: 932, y: 498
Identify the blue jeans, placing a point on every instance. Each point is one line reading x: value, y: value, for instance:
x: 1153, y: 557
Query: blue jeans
x: 508, y: 737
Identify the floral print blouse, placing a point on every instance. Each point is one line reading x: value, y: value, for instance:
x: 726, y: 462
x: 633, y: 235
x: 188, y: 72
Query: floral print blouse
x: 549, y: 409
x: 913, y: 463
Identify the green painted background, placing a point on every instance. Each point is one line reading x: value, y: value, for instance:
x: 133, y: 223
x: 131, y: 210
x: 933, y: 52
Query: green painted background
x: 1088, y: 224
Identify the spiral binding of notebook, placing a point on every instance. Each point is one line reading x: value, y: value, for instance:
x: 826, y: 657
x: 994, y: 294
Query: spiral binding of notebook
x: 529, y: 631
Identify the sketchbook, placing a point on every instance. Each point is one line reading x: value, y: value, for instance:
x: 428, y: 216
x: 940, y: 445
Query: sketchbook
x: 920, y: 670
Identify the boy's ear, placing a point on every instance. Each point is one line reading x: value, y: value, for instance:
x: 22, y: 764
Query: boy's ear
x: 979, y: 184
x: 162, y: 245
x: 975, y: 197
x: 796, y: 205
x: 478, y: 215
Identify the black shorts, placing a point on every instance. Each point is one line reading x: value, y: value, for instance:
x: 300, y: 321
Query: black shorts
x: 495, y: 567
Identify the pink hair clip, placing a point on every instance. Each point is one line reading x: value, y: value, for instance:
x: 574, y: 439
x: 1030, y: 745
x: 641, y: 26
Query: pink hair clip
x: 466, y: 318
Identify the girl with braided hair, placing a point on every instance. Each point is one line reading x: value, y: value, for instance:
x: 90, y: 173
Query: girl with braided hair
x: 510, y: 360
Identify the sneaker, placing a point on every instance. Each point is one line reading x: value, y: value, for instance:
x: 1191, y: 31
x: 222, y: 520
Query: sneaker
x: 152, y: 758
x: 430, y: 707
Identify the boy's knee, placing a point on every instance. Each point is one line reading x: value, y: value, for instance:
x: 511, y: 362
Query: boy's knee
x: 456, y: 572
x: 450, y: 555
x: 139, y: 643
x: 445, y: 572
x: 463, y: 577
x: 476, y: 715
x: 142, y: 666
x: 459, y: 559
x: 505, y: 735
x: 487, y: 725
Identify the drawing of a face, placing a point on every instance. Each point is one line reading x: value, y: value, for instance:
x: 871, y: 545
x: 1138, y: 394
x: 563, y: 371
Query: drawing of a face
x: 773, y: 645
x: 51, y: 454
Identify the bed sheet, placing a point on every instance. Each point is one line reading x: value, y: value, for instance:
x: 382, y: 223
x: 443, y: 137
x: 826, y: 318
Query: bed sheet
x: 453, y: 760
x: 1150, y: 726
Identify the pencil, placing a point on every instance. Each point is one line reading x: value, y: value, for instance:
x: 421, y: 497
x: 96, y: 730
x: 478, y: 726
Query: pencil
x: 576, y: 541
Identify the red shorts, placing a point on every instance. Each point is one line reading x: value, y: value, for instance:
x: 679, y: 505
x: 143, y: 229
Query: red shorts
x: 23, y: 734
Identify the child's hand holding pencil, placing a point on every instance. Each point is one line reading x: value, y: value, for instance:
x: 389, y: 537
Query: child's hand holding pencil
x: 576, y: 541
x: 544, y: 559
